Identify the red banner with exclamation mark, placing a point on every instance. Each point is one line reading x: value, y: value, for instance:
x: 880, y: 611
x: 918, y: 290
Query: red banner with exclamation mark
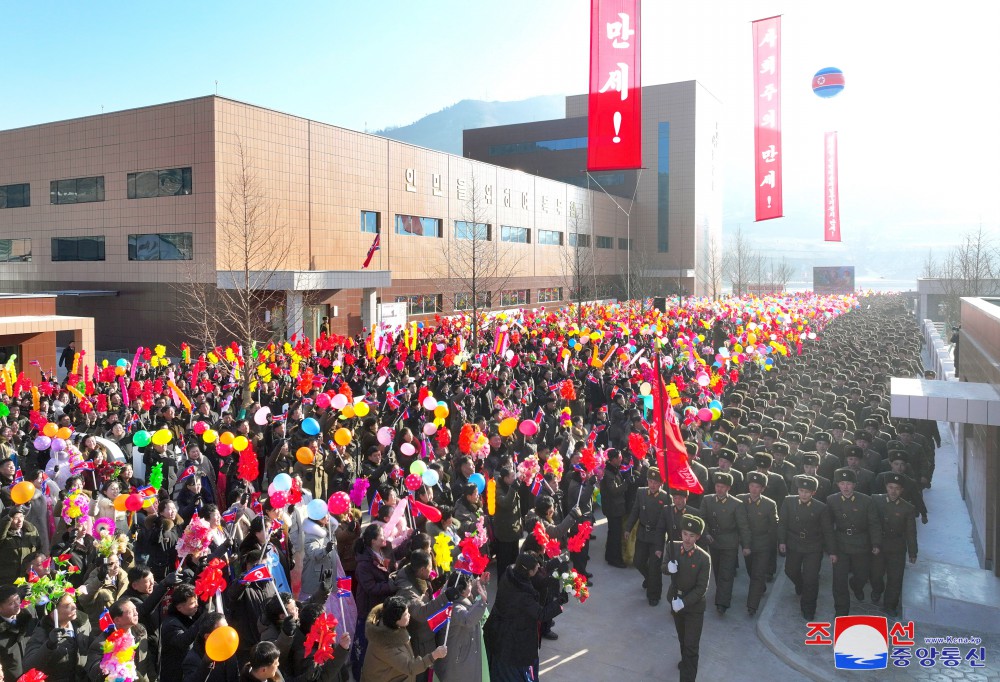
x: 831, y: 207
x: 767, y: 112
x: 615, y: 103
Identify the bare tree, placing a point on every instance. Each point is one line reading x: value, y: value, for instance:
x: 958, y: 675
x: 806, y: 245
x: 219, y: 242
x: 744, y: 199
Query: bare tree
x: 970, y: 269
x: 930, y: 267
x: 714, y: 268
x: 577, y: 261
x: 198, y: 310
x: 740, y: 263
x: 781, y: 275
x: 637, y: 279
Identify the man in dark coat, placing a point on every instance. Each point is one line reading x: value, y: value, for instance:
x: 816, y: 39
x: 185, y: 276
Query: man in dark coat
x: 18, y: 539
x: 762, y: 520
x: 899, y: 539
x: 648, y: 510
x: 690, y: 569
x: 507, y: 519
x: 16, y: 626
x: 804, y: 532
x: 726, y: 529
x: 858, y: 534
x: 613, y: 487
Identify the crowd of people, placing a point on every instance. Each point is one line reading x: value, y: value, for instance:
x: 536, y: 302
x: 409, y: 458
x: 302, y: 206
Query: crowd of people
x: 328, y: 508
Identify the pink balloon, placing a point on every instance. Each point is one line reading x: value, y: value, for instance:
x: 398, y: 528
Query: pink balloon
x: 429, y: 403
x: 278, y: 499
x: 528, y: 427
x: 323, y: 401
x: 261, y: 415
x: 340, y: 503
x: 200, y: 427
x: 413, y: 482
x: 223, y: 449
x: 385, y: 435
x: 705, y: 414
x: 338, y: 401
x: 407, y: 449
x: 430, y: 428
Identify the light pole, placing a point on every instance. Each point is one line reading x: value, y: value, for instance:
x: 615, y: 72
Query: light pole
x: 628, y: 226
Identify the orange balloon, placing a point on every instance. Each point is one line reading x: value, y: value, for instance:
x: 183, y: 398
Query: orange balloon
x: 342, y: 436
x: 120, y: 502
x: 222, y: 643
x: 304, y: 455
x: 64, y: 432
x: 22, y: 492
x: 50, y: 430
x: 227, y: 438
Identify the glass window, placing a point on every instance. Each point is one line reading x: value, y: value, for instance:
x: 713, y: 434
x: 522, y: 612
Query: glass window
x: 514, y: 297
x: 424, y: 227
x: 538, y: 146
x: 550, y: 237
x: 626, y: 244
x: 15, y: 250
x: 77, y: 190
x: 605, y: 242
x: 77, y: 248
x: 518, y: 235
x: 472, y: 231
x: 421, y: 304
x: 549, y: 294
x: 169, y: 182
x: 464, y: 301
x: 170, y: 246
x: 579, y: 240
x: 15, y: 196
x: 370, y: 222
x: 663, y: 188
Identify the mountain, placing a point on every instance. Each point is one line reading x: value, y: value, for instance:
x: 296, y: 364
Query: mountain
x: 442, y: 130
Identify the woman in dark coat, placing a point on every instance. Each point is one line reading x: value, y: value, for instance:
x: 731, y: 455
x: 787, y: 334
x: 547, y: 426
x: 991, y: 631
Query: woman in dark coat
x: 511, y: 631
x: 178, y: 631
x: 375, y: 563
x: 59, y: 651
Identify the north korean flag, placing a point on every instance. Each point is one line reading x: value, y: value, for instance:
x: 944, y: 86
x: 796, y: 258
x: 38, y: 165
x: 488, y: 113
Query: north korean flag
x: 230, y: 515
x: 440, y: 619
x: 188, y: 473
x: 106, y: 622
x: 376, y: 505
x: 255, y: 505
x: 343, y: 587
x: 147, y: 492
x: 18, y: 476
x: 536, y: 486
x: 258, y: 573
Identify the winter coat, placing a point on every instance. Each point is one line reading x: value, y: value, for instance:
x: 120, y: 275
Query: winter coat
x: 157, y: 545
x: 389, y: 657
x: 177, y: 633
x: 422, y: 606
x: 464, y: 662
x: 347, y: 534
x: 507, y: 520
x: 15, y: 549
x: 613, y: 488
x: 13, y: 640
x: 318, y: 560
x: 511, y: 631
x: 38, y: 516
x: 373, y: 583
x: 198, y: 667
x: 58, y: 659
x: 96, y: 652
x: 101, y: 594
x: 304, y: 668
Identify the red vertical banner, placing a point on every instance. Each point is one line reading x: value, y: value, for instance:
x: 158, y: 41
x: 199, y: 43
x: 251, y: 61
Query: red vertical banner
x: 767, y: 112
x: 614, y: 139
x: 831, y: 204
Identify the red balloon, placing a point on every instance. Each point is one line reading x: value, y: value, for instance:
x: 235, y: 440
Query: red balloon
x: 223, y: 449
x: 413, y: 482
x: 340, y: 503
x: 279, y: 499
x: 133, y: 503
x: 200, y: 427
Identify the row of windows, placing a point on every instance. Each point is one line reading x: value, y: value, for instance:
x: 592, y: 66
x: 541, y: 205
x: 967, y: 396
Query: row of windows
x: 538, y: 145
x: 144, y: 185
x: 141, y: 247
x: 578, y: 240
x: 427, y: 304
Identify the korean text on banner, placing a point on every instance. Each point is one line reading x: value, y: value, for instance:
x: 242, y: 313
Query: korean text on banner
x: 767, y: 113
x: 614, y: 139
x: 831, y: 204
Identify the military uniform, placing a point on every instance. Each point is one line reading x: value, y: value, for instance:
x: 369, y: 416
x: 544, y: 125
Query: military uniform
x: 762, y: 521
x: 857, y: 531
x: 727, y: 529
x: 899, y: 538
x: 648, y: 510
x: 689, y: 572
x: 911, y: 491
x: 804, y: 529
x: 737, y: 475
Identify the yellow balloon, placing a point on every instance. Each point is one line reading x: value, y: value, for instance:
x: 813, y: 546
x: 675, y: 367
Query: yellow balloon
x: 342, y: 436
x: 222, y: 644
x: 304, y: 455
x: 63, y: 432
x: 209, y: 436
x: 362, y: 409
x: 240, y: 443
x: 161, y: 437
x: 507, y: 426
x: 22, y: 492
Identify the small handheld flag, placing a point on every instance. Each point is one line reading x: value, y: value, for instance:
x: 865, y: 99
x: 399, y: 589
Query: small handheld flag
x: 258, y: 573
x: 375, y: 506
x: 230, y: 515
x: 18, y: 476
x: 106, y: 622
x: 188, y: 473
x: 343, y: 587
x: 376, y: 245
x: 440, y: 619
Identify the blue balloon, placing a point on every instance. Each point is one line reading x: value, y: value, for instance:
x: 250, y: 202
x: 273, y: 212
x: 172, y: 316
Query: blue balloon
x: 122, y: 362
x: 430, y: 477
x: 479, y: 481
x: 310, y: 426
x: 828, y: 82
x: 316, y: 510
x: 282, y: 482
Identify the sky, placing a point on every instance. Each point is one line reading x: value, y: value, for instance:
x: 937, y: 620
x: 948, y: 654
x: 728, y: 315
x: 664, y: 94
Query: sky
x: 917, y: 121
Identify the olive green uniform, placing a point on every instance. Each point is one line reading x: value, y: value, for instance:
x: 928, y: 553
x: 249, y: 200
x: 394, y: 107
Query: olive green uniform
x: 689, y: 583
x: 857, y: 530
x: 899, y: 539
x: 648, y: 510
x: 727, y: 529
x: 762, y: 520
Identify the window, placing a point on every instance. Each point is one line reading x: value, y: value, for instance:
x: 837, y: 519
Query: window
x: 77, y: 191
x: 549, y: 294
x: 170, y: 182
x: 514, y: 297
x: 626, y: 244
x: 15, y: 250
x: 370, y: 222
x: 472, y: 231
x: 421, y: 304
x: 77, y: 248
x: 663, y: 188
x: 424, y: 227
x: 171, y: 246
x: 518, y: 235
x: 538, y: 146
x: 605, y: 243
x: 550, y: 237
x: 579, y: 240
x: 15, y: 196
x: 464, y: 301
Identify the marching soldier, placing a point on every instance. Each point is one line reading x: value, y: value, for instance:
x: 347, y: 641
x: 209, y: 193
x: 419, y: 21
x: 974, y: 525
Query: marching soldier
x: 762, y: 520
x: 854, y: 455
x: 744, y: 458
x: 810, y: 467
x: 828, y: 462
x: 775, y: 488
x: 675, y: 513
x: 725, y: 458
x: 781, y: 465
x: 689, y: 568
x: 726, y: 521
x: 648, y: 510
x: 911, y: 491
x: 858, y: 536
x: 899, y: 538
x: 804, y: 533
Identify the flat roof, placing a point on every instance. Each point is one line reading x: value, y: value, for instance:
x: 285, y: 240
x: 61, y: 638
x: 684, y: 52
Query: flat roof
x: 36, y: 295
x: 951, y: 401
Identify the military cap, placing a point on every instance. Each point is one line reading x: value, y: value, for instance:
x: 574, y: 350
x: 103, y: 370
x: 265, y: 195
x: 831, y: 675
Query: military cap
x: 743, y: 439
x: 823, y: 436
x: 854, y: 451
x: 770, y: 432
x: 754, y: 416
x: 678, y: 491
x: 904, y: 428
x: 895, y: 455
x: 693, y: 524
x: 723, y: 478
x: 763, y: 459
x: 754, y: 428
x: 845, y: 474
x: 757, y: 477
x: 894, y: 478
x: 807, y: 482
x: 839, y: 424
x: 692, y: 448
x: 786, y: 402
x: 727, y: 454
x: 727, y: 425
x: 721, y: 438
x: 863, y: 435
x: 780, y: 447
x: 872, y: 422
x: 793, y: 437
x: 653, y: 474
x: 810, y: 458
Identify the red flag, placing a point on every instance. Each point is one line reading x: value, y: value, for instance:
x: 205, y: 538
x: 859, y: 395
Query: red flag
x: 376, y: 245
x: 831, y: 208
x: 438, y: 620
x: 432, y: 513
x: 671, y: 454
x: 767, y: 117
x: 105, y: 622
x: 257, y: 574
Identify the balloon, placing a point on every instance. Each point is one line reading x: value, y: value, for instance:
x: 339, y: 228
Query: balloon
x: 323, y: 401
x: 705, y: 414
x: 22, y: 492
x: 133, y: 503
x: 64, y: 432
x: 304, y: 456
x: 227, y: 438
x: 122, y: 362
x: 528, y: 427
x: 347, y: 412
x: 703, y: 380
x: 222, y: 644
x: 384, y: 435
x: 261, y: 415
x: 210, y: 436
x: 49, y: 430
x: 429, y: 403
x: 418, y: 468
x: 645, y: 388
x: 413, y: 482
x: 223, y: 450
x: 316, y: 510
x: 278, y: 499
x: 828, y: 82
x: 715, y: 404
x: 58, y: 445
x: 42, y: 443
x: 282, y: 482
x: 161, y: 437
x: 362, y: 409
x: 338, y: 401
x: 430, y: 477
x: 340, y: 503
x: 479, y: 481
x: 120, y: 502
x: 407, y: 449
x: 430, y: 428
x: 200, y: 427
x: 310, y: 426
x: 240, y: 443
x: 342, y: 436
x: 507, y: 426
x: 441, y: 411
x: 716, y: 413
